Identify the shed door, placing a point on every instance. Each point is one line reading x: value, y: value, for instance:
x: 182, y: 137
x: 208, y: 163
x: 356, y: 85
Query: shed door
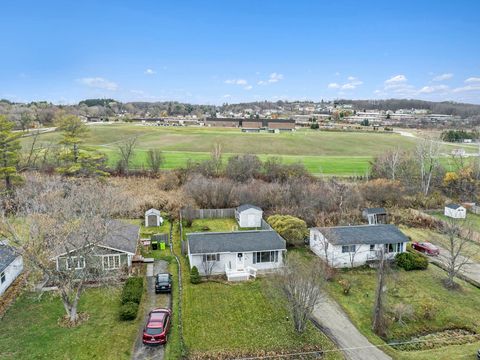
x: 251, y: 220
x: 152, y: 220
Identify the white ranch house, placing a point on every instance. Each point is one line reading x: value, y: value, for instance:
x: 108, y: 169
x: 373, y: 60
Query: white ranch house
x: 239, y: 255
x: 153, y: 218
x: 455, y: 211
x: 351, y: 246
x: 11, y: 266
x: 249, y: 216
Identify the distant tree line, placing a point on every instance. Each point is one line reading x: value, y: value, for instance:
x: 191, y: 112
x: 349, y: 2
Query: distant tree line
x: 459, y: 135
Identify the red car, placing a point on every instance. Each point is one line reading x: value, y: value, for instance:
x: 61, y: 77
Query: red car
x: 157, y: 327
x: 426, y: 247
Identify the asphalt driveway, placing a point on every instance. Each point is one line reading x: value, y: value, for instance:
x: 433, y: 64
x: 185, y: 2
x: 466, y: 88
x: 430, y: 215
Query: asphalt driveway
x: 141, y: 351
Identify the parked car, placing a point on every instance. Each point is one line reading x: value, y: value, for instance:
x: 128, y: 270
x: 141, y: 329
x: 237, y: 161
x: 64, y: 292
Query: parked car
x: 157, y: 327
x: 163, y: 283
x: 426, y: 247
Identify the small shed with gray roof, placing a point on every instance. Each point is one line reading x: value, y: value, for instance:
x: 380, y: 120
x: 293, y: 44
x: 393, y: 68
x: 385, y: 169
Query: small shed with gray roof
x: 11, y: 266
x: 249, y: 216
x: 455, y: 211
x: 349, y: 246
x: 237, y: 251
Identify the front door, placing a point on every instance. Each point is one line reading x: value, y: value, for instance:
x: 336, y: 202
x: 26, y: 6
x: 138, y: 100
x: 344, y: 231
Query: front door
x: 240, y: 262
x: 251, y: 220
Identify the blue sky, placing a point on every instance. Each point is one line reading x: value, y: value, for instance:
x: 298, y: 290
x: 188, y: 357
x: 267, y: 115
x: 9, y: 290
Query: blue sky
x: 232, y: 51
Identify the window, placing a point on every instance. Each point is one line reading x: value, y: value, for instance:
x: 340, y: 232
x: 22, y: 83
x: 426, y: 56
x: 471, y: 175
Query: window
x: 111, y: 262
x: 372, y: 247
x: 265, y: 256
x: 397, y: 247
x: 2, y: 277
x: 349, y: 248
x: 211, y: 257
x: 75, y: 262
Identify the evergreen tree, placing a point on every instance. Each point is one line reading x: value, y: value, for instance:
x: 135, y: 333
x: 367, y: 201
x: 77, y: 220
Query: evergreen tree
x: 9, y: 151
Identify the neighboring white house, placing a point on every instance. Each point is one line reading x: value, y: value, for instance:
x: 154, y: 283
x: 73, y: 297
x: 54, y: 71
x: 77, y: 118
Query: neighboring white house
x: 350, y: 246
x: 249, y: 216
x: 153, y: 218
x: 238, y: 254
x: 11, y: 265
x: 455, y: 211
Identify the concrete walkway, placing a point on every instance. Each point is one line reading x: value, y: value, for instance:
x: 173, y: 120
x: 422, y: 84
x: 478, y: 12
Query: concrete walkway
x: 337, y: 326
x: 152, y: 300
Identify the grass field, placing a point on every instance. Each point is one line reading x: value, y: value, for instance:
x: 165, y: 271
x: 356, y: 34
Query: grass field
x: 330, y: 153
x: 29, y: 329
x: 472, y: 221
x: 452, y: 309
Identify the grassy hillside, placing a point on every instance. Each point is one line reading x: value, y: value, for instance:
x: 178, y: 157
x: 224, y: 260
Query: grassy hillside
x: 330, y: 153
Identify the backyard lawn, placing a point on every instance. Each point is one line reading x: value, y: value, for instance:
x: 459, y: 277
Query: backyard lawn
x: 212, y: 225
x: 237, y: 318
x: 435, y: 310
x: 472, y: 221
x: 29, y: 329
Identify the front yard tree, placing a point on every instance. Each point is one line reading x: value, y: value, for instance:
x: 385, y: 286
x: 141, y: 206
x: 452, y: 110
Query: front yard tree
x: 155, y: 160
x: 379, y: 322
x: 300, y: 284
x: 61, y: 215
x: 127, y: 151
x: 73, y: 129
x: 291, y: 228
x: 9, y: 152
x: 458, y: 248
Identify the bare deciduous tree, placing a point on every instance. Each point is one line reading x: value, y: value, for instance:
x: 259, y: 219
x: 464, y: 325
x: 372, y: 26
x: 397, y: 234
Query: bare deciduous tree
x: 63, y: 217
x: 379, y: 321
x: 428, y: 158
x: 127, y: 150
x: 155, y: 160
x: 208, y: 265
x: 459, y: 248
x: 300, y: 283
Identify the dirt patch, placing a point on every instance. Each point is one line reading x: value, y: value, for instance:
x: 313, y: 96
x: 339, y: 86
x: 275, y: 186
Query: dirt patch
x: 436, y: 340
x: 65, y: 322
x: 306, y: 353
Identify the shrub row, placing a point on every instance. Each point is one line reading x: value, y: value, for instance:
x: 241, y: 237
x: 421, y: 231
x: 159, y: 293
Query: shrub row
x: 131, y: 297
x: 411, y: 261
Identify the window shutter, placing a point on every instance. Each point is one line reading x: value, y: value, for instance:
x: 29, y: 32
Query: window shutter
x: 218, y: 257
x: 204, y: 258
x: 254, y: 257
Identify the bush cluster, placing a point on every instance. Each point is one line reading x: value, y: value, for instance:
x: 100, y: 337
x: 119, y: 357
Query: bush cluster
x: 411, y: 261
x: 131, y: 297
x: 194, y: 275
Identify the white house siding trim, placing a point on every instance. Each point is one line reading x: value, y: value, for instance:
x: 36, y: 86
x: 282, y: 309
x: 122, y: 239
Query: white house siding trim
x: 11, y: 273
x: 230, y: 259
x: 339, y: 259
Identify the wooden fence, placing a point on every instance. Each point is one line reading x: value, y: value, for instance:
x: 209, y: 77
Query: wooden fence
x: 161, y: 237
x: 207, y: 213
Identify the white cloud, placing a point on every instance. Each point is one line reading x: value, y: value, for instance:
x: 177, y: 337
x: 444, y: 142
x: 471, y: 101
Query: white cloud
x: 333, y: 86
x: 273, y: 78
x: 236, y: 81
x: 348, y: 86
x: 351, y: 78
x: 248, y: 87
x: 472, y: 80
x: 352, y: 83
x: 227, y: 96
x: 443, y: 77
x: 396, y: 79
x: 433, y: 89
x: 150, y: 72
x: 467, y: 88
x: 99, y: 83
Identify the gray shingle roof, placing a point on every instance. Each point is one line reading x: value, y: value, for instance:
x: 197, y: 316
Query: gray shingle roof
x: 363, y: 234
x: 121, y: 236
x: 453, y: 206
x: 247, y: 206
x: 237, y: 241
x: 7, y: 255
x: 375, y: 210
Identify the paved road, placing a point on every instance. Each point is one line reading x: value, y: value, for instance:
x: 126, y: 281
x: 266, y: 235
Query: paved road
x: 338, y: 327
x: 471, y: 269
x: 143, y: 352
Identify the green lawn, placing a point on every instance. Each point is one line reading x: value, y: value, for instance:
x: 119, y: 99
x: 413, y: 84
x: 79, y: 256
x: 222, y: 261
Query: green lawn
x: 29, y: 329
x: 453, y: 309
x: 237, y: 318
x: 212, y: 225
x: 339, y: 153
x: 472, y: 221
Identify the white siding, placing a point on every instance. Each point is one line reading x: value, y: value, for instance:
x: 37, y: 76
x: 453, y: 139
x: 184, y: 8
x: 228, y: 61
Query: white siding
x: 460, y: 213
x: 250, y: 218
x: 230, y: 259
x: 338, y: 259
x: 11, y: 273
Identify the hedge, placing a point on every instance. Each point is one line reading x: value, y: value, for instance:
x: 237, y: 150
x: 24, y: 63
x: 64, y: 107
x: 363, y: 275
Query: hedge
x: 132, y: 290
x: 194, y: 276
x: 411, y: 261
x: 128, y: 311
